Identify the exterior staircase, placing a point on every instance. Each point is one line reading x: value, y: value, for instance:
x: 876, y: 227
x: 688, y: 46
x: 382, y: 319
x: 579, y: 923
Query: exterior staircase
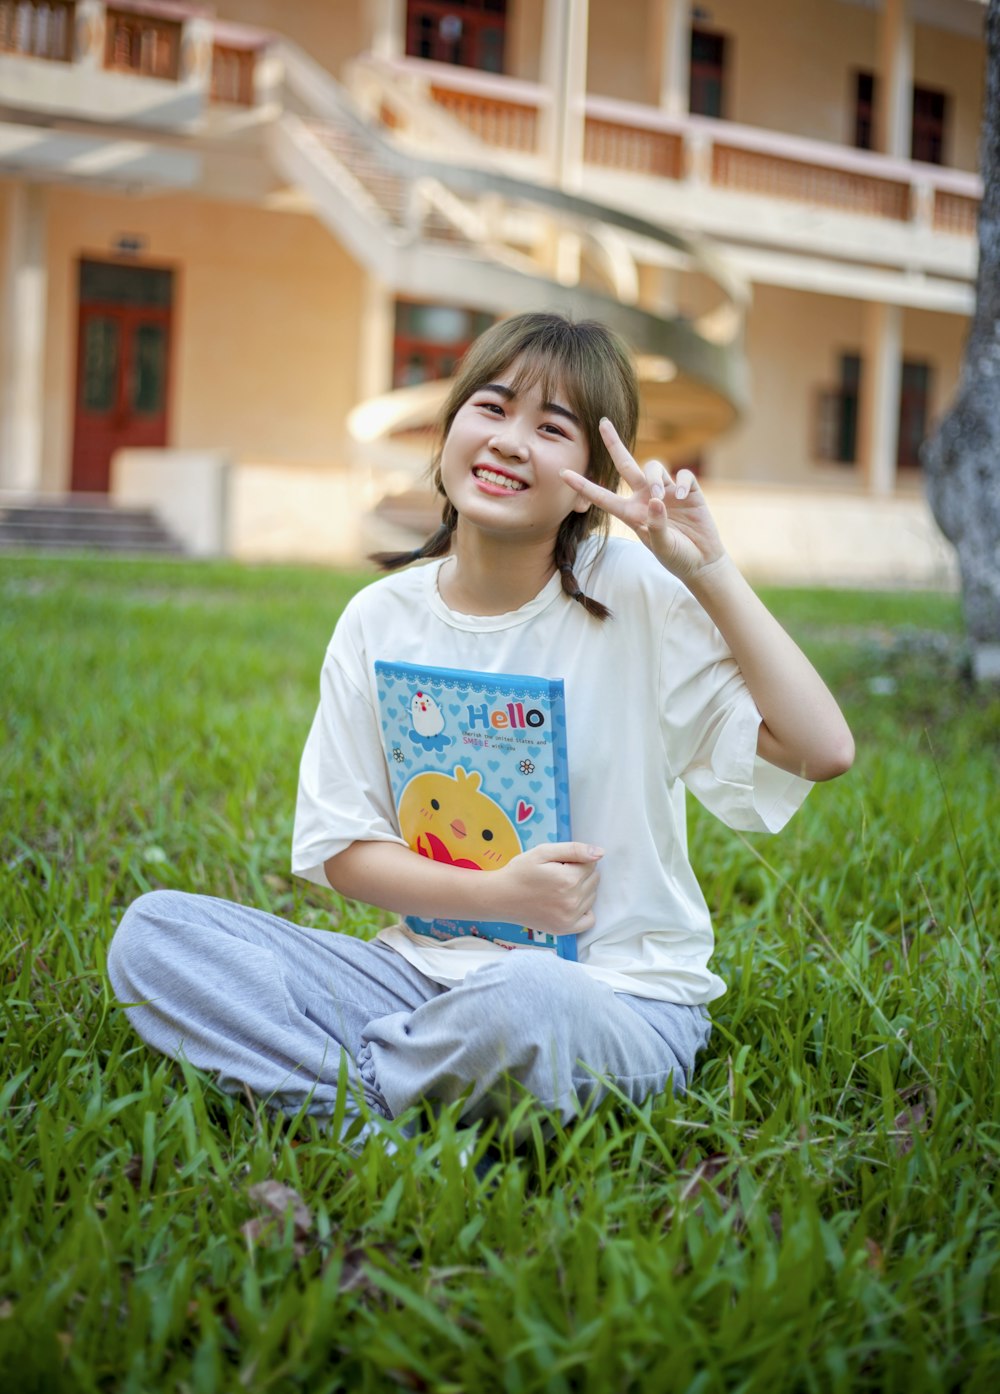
x: 85, y: 523
x: 456, y: 226
x: 471, y: 233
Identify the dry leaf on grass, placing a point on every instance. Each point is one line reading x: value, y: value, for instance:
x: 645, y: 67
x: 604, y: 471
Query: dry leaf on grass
x: 915, y: 1118
x: 702, y: 1181
x: 279, y: 1199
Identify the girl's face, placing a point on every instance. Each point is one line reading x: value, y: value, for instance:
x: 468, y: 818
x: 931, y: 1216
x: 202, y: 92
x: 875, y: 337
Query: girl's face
x: 502, y: 458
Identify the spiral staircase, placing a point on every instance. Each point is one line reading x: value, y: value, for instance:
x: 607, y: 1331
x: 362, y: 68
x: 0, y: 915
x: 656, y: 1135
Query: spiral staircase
x: 457, y: 227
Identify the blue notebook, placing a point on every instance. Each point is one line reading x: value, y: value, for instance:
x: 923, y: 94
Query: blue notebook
x: 479, y: 774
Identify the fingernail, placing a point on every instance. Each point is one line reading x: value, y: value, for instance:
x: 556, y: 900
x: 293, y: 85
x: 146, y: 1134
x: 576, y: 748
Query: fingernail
x: 658, y: 491
x: 682, y: 493
x: 596, y: 852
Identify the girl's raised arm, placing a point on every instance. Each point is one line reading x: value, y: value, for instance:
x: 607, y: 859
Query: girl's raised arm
x: 802, y: 728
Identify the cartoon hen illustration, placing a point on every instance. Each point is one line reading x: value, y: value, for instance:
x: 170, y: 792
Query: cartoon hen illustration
x: 449, y: 819
x: 427, y: 723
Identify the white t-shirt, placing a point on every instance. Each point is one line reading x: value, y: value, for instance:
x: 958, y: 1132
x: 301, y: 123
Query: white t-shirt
x: 654, y: 703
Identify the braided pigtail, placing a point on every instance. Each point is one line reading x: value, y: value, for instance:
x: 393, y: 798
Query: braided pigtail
x: 567, y: 541
x: 437, y: 545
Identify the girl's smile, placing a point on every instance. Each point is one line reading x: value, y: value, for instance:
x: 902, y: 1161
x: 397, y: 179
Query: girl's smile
x: 498, y: 481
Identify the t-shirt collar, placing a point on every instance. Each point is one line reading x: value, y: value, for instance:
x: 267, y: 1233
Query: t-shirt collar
x: 486, y: 623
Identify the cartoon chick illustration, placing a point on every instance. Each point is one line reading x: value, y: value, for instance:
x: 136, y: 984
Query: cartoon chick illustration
x: 449, y: 819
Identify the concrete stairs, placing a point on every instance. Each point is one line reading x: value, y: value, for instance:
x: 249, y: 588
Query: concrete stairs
x: 83, y: 523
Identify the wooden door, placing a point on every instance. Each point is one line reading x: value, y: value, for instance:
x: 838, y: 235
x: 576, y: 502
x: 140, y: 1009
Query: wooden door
x: 123, y: 366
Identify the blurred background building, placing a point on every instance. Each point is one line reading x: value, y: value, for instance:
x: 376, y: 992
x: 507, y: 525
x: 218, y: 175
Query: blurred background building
x: 244, y: 242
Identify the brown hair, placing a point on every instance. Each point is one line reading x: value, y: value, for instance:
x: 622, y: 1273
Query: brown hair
x: 586, y: 362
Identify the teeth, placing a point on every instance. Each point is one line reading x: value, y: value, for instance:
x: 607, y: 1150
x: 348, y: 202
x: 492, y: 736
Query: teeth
x: 503, y: 480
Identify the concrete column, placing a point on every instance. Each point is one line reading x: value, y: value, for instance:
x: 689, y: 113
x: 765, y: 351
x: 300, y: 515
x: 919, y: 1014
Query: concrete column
x: 894, y: 83
x: 564, y: 73
x: 89, y: 36
x: 377, y: 329
x: 22, y: 364
x: 387, y: 28
x: 880, y: 388
x: 670, y: 54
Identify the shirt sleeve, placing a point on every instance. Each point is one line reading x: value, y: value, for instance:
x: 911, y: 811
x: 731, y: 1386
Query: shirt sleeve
x: 344, y: 794
x: 710, y: 724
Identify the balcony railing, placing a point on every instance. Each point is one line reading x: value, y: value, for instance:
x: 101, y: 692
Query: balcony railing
x: 955, y: 213
x: 626, y: 136
x: 758, y: 172
x: 232, y: 75
x: 146, y: 44
x: 508, y: 125
x: 634, y: 148
x: 165, y: 40
x: 37, y: 28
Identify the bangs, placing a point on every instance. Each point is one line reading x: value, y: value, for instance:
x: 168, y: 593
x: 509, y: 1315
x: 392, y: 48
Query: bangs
x: 556, y: 364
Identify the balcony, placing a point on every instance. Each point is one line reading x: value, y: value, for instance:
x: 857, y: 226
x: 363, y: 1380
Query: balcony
x: 149, y: 63
x: 737, y: 183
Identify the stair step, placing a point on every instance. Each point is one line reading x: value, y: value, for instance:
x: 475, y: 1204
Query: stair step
x: 88, y: 524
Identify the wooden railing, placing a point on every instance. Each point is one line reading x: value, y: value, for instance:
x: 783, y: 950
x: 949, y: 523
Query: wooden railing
x: 955, y: 213
x: 758, y: 172
x: 37, y: 28
x: 636, y: 149
x: 508, y: 125
x: 146, y: 44
x: 232, y: 75
x: 643, y: 140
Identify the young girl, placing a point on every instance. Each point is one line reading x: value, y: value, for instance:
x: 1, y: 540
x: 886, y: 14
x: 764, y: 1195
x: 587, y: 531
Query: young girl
x: 676, y: 676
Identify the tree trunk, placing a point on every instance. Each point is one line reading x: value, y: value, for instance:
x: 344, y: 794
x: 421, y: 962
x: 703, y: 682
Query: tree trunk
x: 962, y: 458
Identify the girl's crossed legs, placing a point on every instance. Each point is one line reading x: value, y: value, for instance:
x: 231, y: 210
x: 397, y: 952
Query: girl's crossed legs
x: 261, y: 1002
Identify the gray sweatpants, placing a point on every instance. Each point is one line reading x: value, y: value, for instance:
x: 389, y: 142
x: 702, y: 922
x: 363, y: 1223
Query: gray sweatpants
x: 271, y: 1005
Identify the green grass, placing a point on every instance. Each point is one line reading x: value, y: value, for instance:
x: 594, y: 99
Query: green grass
x: 820, y: 1213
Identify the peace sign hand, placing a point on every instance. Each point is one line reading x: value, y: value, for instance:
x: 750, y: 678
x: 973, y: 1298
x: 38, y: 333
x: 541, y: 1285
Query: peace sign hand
x: 669, y: 515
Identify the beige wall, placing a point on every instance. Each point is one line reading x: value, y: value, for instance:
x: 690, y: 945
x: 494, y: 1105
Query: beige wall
x: 523, y: 43
x: 265, y: 332
x: 331, y: 31
x: 617, y: 50
x: 794, y: 343
x: 791, y: 65
x: 791, y: 62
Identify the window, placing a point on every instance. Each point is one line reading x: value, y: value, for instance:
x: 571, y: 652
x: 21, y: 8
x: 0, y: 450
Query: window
x: 927, y: 137
x: 864, y: 111
x: 430, y: 339
x: 708, y: 65
x: 837, y: 415
x: 914, y: 406
x: 467, y: 32
x: 927, y: 127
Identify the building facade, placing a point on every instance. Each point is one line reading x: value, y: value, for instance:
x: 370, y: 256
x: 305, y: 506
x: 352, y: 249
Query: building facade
x: 243, y: 241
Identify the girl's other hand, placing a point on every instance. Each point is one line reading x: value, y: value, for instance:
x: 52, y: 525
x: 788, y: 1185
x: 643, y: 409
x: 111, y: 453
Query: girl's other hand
x: 670, y: 516
x: 551, y: 888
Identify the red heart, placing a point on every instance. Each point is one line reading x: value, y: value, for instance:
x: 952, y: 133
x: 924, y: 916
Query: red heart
x: 524, y: 811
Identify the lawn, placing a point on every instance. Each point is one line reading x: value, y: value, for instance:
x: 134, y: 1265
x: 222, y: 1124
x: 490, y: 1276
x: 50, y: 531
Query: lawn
x: 820, y: 1213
